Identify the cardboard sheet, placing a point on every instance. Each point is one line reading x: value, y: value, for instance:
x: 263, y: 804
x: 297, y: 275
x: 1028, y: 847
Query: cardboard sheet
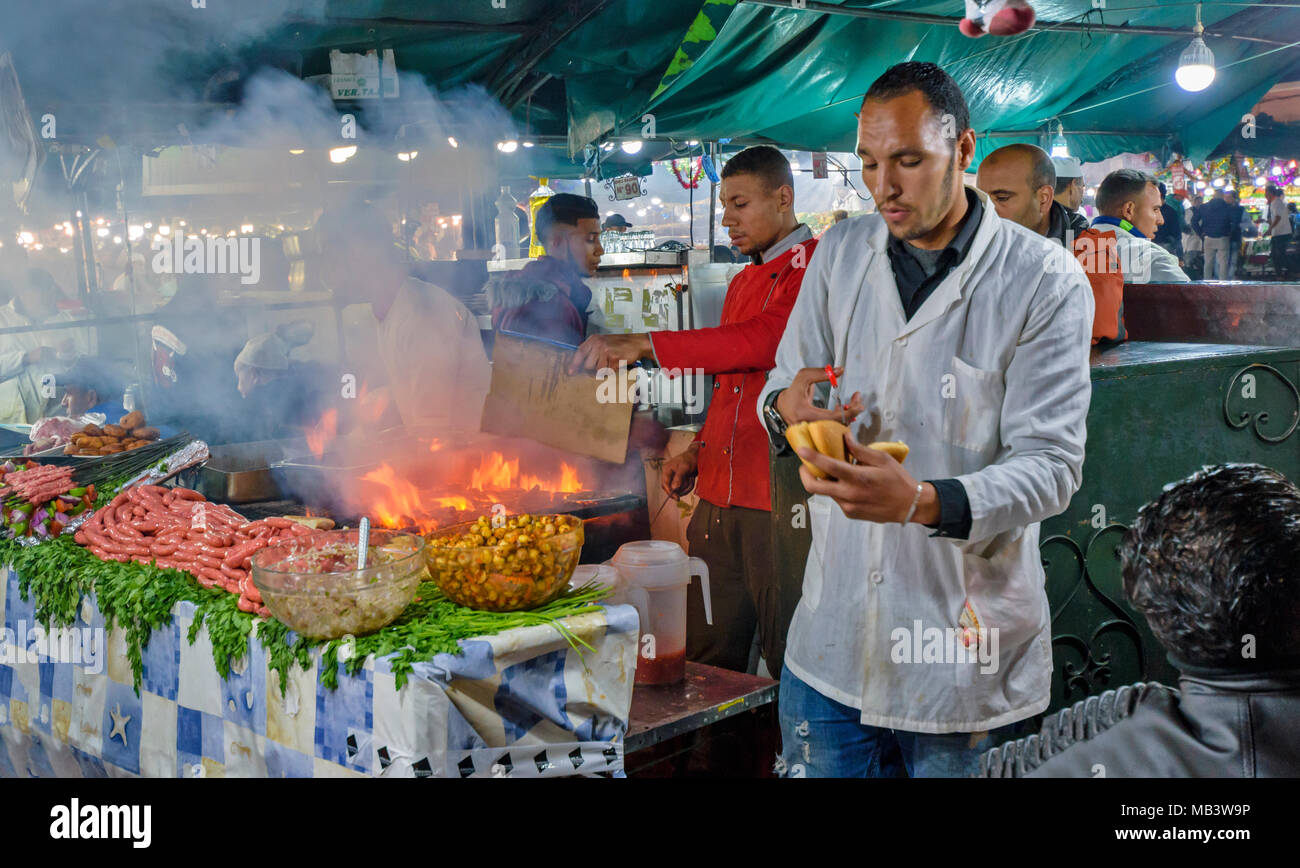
x: 532, y: 396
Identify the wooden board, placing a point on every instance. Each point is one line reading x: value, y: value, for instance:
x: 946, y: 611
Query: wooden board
x: 533, y: 396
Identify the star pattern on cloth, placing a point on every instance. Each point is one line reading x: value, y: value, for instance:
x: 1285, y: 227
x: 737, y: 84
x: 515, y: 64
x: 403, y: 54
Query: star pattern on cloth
x: 119, y: 722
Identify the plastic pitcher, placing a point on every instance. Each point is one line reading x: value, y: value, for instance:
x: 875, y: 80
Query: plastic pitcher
x: 656, y: 574
x: 602, y: 574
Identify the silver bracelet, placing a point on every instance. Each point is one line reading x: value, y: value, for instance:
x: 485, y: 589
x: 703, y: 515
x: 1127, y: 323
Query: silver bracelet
x: 911, y: 511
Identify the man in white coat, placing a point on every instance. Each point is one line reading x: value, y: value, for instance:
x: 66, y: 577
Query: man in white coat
x: 967, y: 337
x: 1128, y: 205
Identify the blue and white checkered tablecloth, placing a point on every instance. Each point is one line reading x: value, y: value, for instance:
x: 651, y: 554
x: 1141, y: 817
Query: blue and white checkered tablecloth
x: 518, y: 704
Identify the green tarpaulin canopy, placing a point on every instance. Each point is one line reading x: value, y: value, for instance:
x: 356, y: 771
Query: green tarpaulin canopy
x: 690, y: 69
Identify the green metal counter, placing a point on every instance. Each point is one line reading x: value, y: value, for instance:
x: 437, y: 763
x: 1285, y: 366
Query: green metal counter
x: 1159, y: 412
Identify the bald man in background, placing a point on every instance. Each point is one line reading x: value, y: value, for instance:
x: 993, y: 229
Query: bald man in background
x: 1021, y: 181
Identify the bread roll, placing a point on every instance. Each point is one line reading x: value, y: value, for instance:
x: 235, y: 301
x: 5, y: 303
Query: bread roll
x: 828, y: 438
x: 896, y: 449
x: 798, y: 436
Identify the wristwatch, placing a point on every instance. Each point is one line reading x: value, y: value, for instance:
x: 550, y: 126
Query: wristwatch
x: 775, y: 421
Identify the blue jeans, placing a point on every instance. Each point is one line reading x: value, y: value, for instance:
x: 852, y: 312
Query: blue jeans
x: 822, y: 738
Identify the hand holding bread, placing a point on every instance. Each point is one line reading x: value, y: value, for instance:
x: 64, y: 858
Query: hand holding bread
x: 826, y: 436
x: 871, y: 485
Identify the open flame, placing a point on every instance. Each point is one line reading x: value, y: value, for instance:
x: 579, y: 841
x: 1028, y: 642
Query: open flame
x: 323, y: 432
x: 402, y: 498
x: 496, y: 472
x: 394, y: 501
x: 368, y: 408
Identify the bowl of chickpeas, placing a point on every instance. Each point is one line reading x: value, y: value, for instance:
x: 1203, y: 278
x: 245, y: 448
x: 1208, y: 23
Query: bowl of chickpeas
x: 507, y: 564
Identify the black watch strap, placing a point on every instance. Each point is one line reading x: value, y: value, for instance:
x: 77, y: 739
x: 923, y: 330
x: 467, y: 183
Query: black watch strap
x: 775, y: 422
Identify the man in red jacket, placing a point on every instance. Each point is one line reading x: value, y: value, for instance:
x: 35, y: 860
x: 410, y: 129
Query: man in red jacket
x: 731, y: 527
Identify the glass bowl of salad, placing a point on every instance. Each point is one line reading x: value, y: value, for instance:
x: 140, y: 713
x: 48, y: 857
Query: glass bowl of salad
x: 313, y: 586
x: 519, y: 562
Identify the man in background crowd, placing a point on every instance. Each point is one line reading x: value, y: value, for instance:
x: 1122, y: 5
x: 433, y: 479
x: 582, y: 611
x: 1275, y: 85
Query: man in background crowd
x: 1213, y: 564
x: 195, y: 339
x: 615, y: 223
x: 1213, y: 222
x: 429, y: 344
x: 548, y: 298
x: 1193, y: 245
x: 1128, y: 202
x: 1020, y: 178
x: 1068, y: 190
x: 91, y: 386
x: 1237, y: 214
x: 31, y: 362
x: 283, y: 397
x: 1170, y: 234
x: 1279, y: 229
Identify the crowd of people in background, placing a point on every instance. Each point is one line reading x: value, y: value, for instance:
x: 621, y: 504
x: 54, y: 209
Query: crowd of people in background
x: 1219, y: 226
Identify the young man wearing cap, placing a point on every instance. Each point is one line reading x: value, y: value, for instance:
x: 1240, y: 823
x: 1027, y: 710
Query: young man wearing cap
x: 1019, y: 179
x: 957, y: 340
x: 731, y: 528
x: 1069, y: 190
x: 547, y: 298
x: 615, y: 223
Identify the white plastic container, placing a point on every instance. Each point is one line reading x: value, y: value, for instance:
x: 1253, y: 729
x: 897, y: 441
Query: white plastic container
x: 656, y: 574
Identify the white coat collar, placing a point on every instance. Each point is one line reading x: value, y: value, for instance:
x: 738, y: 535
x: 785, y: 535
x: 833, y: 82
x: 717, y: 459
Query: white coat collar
x: 953, y: 287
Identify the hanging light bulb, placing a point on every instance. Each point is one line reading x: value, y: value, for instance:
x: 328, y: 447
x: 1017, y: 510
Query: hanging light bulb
x: 1260, y: 180
x: 1196, y: 65
x: 631, y: 147
x: 509, y: 146
x: 1059, y: 146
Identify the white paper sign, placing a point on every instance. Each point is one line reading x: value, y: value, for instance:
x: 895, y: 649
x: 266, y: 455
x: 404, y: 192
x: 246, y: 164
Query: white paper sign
x: 358, y: 76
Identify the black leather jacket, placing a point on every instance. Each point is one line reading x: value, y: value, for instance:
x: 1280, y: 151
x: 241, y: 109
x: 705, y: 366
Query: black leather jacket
x: 1217, y: 724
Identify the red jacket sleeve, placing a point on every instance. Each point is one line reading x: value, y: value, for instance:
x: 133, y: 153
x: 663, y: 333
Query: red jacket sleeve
x: 733, y: 348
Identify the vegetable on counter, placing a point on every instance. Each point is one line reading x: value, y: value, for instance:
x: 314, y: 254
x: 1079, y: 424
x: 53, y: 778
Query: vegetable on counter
x: 138, y: 599
x: 40, y: 500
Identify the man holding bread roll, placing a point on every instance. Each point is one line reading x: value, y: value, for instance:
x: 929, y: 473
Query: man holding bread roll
x: 923, y: 627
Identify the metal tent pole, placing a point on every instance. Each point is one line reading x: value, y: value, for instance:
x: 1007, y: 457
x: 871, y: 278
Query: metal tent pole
x: 713, y: 198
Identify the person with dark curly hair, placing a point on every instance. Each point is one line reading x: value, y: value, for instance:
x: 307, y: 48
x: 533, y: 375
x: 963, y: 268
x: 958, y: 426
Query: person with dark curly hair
x: 1214, y: 565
